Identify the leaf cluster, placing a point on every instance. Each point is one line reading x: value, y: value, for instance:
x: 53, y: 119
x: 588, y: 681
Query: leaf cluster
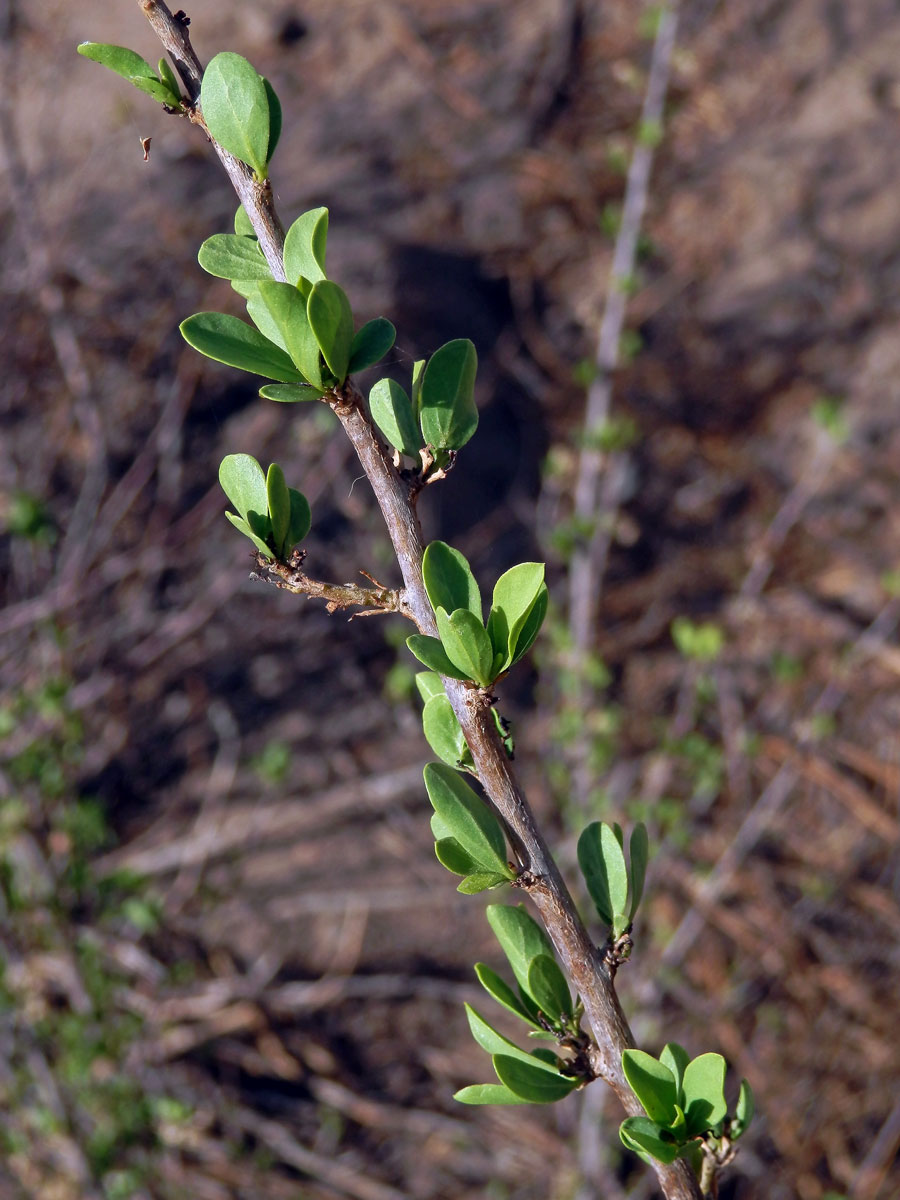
x: 302, y: 333
x: 468, y: 838
x: 440, y: 413
x: 466, y: 648
x: 684, y: 1100
x: 615, y: 887
x: 541, y: 999
x: 272, y: 515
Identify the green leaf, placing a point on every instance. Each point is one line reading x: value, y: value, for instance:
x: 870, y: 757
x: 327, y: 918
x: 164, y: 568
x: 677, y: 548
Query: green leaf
x: 442, y: 730
x: 451, y: 855
x: 243, y: 226
x: 466, y: 817
x: 304, y: 246
x: 429, y: 685
x: 169, y: 78
x: 229, y: 340
x: 430, y: 652
x: 744, y: 1110
x: 371, y: 343
x: 503, y: 993
x: 287, y: 310
x: 639, y: 853
x: 493, y: 1042
x: 548, y: 989
x: 531, y: 1081
x: 676, y: 1058
x: 235, y: 108
x: 392, y: 413
x: 228, y: 256
x: 301, y: 518
x: 275, y: 118
x: 645, y: 1137
x: 515, y: 594
x: 466, y: 642
x: 603, y: 866
x: 243, y: 482
x: 449, y: 581
x: 520, y: 937
x: 279, y: 503
x: 531, y: 626
x: 289, y: 393
x: 704, y: 1093
x: 245, y: 529
x: 487, y: 1093
x: 331, y: 320
x: 447, y: 410
x: 652, y: 1083
x: 131, y: 67
x: 481, y: 881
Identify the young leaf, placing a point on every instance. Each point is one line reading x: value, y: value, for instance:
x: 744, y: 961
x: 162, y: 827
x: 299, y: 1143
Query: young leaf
x: 304, y: 246
x: 646, y: 1138
x: 493, y: 1042
x: 652, y: 1083
x: 449, y: 581
x: 520, y: 937
x: 442, y: 730
x: 676, y: 1058
x: 289, y: 393
x: 301, y: 518
x: 287, y: 310
x: 275, y: 118
x: 447, y: 411
x: 466, y: 641
x: 531, y: 626
x: 392, y: 413
x: 466, y: 817
x: 639, y: 852
x: 415, y: 392
x: 235, y: 108
x: 429, y: 685
x: 704, y: 1093
x: 603, y: 866
x: 371, y: 343
x: 515, y: 594
x: 245, y: 529
x: 228, y: 256
x: 531, y: 1081
x: 243, y: 482
x: 503, y: 993
x: 168, y: 77
x: 744, y: 1110
x: 451, y: 855
x: 487, y: 1093
x: 331, y: 320
x: 430, y: 652
x: 481, y: 881
x: 548, y: 989
x: 237, y: 344
x: 279, y: 503
x: 131, y: 67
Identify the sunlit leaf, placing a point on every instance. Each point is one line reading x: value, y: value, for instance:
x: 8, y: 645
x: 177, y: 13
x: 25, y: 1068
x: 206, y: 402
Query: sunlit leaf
x: 371, y: 343
x: 442, y: 730
x: 228, y: 256
x: 279, y: 504
x: 331, y: 320
x: 531, y: 1081
x: 132, y: 67
x: 466, y: 817
x: 520, y: 937
x: 430, y: 652
x: 603, y: 866
x: 652, y: 1083
x: 703, y: 1088
x: 289, y: 393
x: 503, y: 993
x: 235, y: 107
x: 466, y: 641
x: 487, y: 1093
x: 646, y: 1138
x: 447, y: 411
x: 229, y: 340
x: 548, y: 989
x: 449, y: 581
x: 287, y: 310
x: 392, y: 413
x: 515, y: 594
x: 304, y: 246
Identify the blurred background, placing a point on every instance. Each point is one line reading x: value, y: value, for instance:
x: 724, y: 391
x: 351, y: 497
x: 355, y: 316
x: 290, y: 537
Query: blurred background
x: 231, y: 965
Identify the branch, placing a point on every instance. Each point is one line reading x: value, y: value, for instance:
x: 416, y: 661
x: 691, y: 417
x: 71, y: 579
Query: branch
x: 339, y: 595
x: 540, y: 875
x: 599, y: 480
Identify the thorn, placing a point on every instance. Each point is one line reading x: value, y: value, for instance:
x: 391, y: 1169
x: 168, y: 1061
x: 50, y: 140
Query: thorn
x: 145, y: 146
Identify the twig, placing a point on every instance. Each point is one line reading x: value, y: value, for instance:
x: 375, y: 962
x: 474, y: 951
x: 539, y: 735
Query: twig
x: 599, y: 479
x: 338, y: 595
x: 472, y: 707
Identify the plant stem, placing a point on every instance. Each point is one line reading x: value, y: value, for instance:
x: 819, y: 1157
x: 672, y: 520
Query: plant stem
x: 541, y: 877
